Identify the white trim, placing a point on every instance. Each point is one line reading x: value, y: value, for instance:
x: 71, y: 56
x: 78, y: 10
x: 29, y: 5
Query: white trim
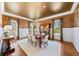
x: 61, y: 14
x: 10, y: 14
x: 76, y: 38
x: 57, y: 15
x: 74, y: 6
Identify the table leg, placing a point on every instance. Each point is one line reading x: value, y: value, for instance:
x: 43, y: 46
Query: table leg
x: 39, y: 43
x: 8, y: 44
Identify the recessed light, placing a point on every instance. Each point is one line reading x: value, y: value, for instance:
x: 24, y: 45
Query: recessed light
x: 44, y: 6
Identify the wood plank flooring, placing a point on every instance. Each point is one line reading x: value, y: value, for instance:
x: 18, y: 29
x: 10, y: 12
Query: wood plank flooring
x: 18, y: 51
x: 67, y: 49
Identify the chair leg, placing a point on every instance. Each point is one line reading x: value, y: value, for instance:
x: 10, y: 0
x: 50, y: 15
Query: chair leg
x: 28, y: 40
x: 35, y: 44
x: 44, y: 45
x: 47, y: 43
x: 32, y: 42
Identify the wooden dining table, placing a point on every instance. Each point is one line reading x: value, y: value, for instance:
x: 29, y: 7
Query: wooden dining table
x: 39, y: 38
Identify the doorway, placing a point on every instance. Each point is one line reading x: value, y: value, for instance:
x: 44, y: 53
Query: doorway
x: 57, y: 29
x: 45, y: 28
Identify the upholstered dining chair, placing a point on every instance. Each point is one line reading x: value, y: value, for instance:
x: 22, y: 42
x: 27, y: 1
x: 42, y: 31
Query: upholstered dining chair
x: 43, y: 34
x: 45, y: 40
x: 34, y: 41
x: 29, y: 39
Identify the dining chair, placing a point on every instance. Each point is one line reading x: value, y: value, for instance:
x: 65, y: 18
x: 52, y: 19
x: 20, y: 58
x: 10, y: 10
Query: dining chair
x: 45, y: 40
x: 34, y: 41
x: 43, y: 34
x: 29, y: 39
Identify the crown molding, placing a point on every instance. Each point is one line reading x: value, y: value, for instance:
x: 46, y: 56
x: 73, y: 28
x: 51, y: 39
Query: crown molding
x: 10, y: 14
x: 57, y: 15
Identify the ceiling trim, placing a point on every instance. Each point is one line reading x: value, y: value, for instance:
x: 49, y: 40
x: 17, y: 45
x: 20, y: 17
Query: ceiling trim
x: 74, y: 6
x: 61, y: 14
x: 57, y: 15
x: 45, y: 18
x: 10, y: 14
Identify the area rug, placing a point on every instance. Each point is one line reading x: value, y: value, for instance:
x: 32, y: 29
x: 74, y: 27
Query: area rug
x: 53, y: 48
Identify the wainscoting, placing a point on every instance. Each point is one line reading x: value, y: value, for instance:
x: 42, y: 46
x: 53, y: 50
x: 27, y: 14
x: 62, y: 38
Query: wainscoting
x: 72, y: 35
x: 23, y: 32
x: 76, y: 38
x: 68, y: 34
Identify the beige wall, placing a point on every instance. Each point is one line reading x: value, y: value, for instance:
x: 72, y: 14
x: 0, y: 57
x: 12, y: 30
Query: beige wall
x: 48, y: 21
x: 72, y: 20
x: 67, y: 21
x: 5, y: 20
x: 22, y: 23
x: 76, y: 17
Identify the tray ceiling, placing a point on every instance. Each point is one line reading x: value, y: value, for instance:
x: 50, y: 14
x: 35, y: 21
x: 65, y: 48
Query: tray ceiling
x: 37, y: 10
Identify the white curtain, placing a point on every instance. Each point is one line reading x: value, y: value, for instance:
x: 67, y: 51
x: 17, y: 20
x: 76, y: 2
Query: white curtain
x: 1, y: 38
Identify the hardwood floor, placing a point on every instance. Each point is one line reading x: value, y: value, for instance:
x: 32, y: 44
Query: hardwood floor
x: 67, y: 49
x: 18, y: 51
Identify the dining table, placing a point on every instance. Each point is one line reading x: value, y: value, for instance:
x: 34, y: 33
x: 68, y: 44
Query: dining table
x: 39, y: 38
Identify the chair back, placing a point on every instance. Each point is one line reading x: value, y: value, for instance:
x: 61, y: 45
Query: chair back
x: 43, y: 34
x: 46, y: 37
x: 33, y: 38
x: 29, y: 36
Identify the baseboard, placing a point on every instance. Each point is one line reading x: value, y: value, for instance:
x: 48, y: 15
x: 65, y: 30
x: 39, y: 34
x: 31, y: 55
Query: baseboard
x: 67, y: 42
